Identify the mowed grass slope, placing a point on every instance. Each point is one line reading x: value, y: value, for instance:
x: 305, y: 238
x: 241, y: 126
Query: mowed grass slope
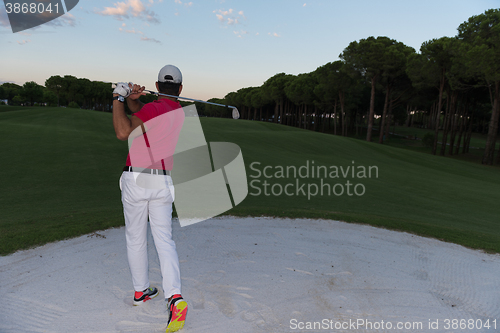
x: 59, y: 177
x: 429, y: 195
x: 61, y: 171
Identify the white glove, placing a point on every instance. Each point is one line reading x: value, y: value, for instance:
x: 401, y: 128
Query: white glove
x: 123, y: 89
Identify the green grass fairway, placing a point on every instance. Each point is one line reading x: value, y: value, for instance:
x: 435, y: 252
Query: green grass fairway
x: 404, y: 138
x: 61, y: 170
x: 59, y: 177
x: 478, y: 141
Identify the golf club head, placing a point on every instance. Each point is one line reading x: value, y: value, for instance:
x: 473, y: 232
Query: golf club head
x: 236, y: 114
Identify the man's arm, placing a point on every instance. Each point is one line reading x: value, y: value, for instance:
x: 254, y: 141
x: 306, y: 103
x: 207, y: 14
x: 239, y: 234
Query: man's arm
x: 123, y: 125
x: 134, y: 105
x: 133, y: 102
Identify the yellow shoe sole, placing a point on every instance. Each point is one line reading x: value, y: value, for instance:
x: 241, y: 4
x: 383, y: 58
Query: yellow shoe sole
x: 178, y: 323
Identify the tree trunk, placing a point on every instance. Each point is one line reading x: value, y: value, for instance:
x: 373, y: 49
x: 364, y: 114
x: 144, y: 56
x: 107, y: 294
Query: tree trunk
x: 438, y: 111
x: 342, y: 111
x: 276, y: 113
x: 454, y: 125
x: 432, y: 116
x: 384, y: 114
x: 342, y: 114
x: 299, y: 115
x: 389, y: 118
x: 305, y: 116
x: 357, y: 125
x: 281, y: 110
x: 469, y: 135
x: 489, y: 149
x: 462, y: 120
x: 335, y: 118
x: 447, y: 117
x: 323, y: 121
x: 285, y: 111
x: 315, y: 118
x: 372, y: 111
x: 408, y: 115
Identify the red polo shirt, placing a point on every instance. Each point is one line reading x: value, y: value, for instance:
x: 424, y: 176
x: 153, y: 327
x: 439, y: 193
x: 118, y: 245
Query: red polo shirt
x: 163, y: 121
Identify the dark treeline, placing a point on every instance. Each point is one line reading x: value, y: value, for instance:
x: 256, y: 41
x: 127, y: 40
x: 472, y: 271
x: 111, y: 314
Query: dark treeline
x: 451, y: 86
x: 60, y: 91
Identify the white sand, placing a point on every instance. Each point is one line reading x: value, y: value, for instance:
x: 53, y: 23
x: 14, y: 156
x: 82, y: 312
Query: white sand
x: 254, y: 275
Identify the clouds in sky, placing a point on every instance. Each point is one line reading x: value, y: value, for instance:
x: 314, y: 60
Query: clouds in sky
x: 232, y: 17
x: 67, y: 19
x: 131, y: 31
x: 146, y: 39
x: 143, y: 38
x: 130, y: 8
x: 140, y: 9
x: 187, y: 4
x: 229, y: 17
x: 240, y: 34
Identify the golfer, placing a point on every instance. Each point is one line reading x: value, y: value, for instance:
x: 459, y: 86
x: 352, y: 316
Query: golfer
x: 147, y: 188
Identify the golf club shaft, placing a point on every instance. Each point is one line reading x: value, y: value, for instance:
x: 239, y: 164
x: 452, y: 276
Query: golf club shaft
x: 191, y: 99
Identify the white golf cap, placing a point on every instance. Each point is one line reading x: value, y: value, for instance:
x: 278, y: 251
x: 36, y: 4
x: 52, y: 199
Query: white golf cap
x: 170, y: 73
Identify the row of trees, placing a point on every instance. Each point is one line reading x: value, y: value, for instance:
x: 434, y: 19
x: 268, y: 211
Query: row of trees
x: 60, y: 91
x: 30, y: 93
x: 88, y: 94
x: 451, y: 86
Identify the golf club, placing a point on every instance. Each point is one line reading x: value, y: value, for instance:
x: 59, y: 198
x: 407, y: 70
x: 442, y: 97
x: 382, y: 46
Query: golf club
x: 236, y: 113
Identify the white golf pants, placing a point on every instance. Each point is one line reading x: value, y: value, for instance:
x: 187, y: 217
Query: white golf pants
x: 138, y: 204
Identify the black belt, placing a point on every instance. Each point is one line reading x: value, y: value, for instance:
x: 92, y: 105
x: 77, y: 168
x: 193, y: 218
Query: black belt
x: 150, y: 171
